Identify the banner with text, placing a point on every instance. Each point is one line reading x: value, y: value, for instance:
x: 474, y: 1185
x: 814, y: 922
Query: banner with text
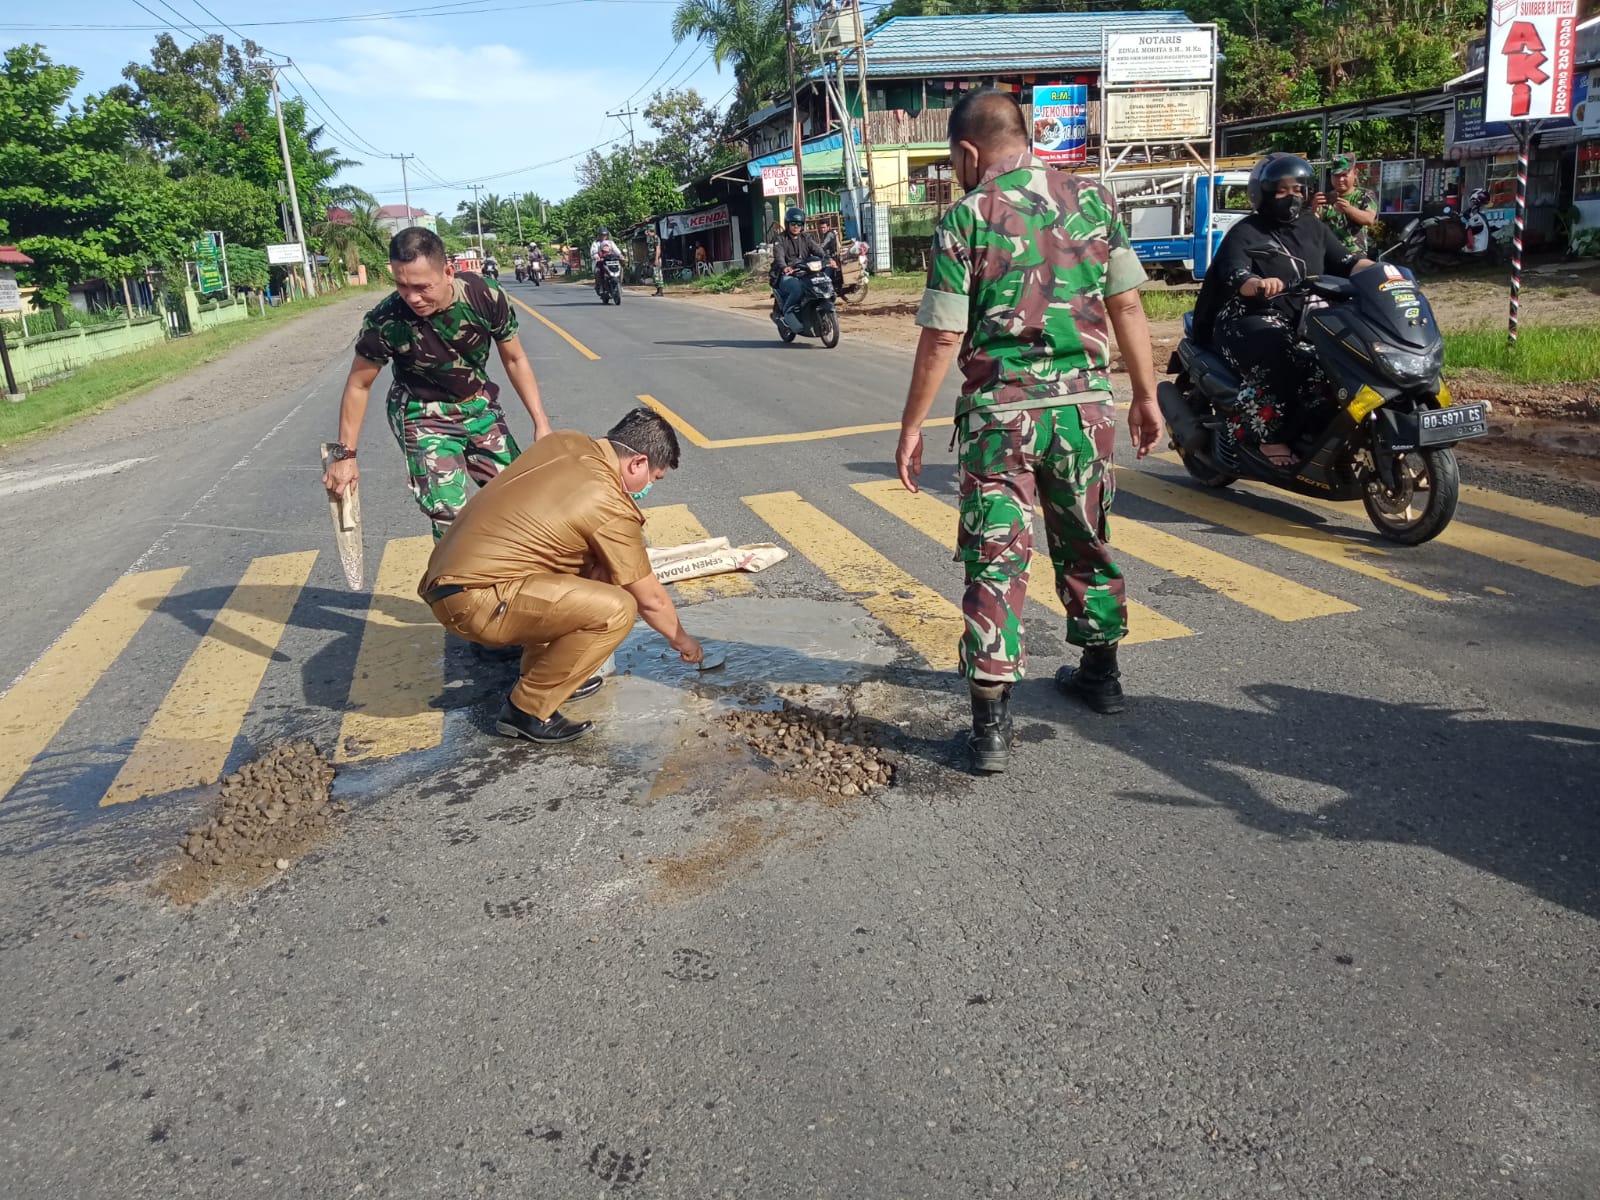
x: 1532, y: 44
x: 683, y: 224
x: 281, y: 254
x: 1061, y: 123
x: 780, y: 181
x: 1159, y: 56
x: 1174, y: 115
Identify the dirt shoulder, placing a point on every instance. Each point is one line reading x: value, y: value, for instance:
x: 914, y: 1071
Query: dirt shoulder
x: 263, y: 369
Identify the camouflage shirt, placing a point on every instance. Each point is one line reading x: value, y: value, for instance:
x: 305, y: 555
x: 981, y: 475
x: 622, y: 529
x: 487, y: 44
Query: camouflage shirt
x: 1022, y: 265
x: 652, y: 244
x: 1356, y: 238
x: 442, y: 358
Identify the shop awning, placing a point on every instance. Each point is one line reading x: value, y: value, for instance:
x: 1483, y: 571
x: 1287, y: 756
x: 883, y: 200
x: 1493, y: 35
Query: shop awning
x: 808, y: 150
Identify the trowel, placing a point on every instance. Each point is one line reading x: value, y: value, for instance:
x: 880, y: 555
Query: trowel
x: 715, y: 657
x: 346, y: 513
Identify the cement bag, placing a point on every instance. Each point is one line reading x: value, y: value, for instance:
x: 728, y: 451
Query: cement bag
x: 700, y: 561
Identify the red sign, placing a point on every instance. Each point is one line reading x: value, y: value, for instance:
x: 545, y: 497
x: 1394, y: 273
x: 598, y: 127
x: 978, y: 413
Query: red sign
x: 1528, y: 74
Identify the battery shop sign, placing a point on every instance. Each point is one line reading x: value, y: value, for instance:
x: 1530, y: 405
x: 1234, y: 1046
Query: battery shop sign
x: 683, y: 224
x: 1159, y: 56
x: 1532, y: 44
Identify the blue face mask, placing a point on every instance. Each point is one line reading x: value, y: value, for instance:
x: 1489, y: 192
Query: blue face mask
x: 643, y: 492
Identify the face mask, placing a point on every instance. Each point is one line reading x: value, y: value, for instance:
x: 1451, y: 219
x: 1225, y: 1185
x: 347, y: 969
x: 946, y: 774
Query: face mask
x: 1285, y: 209
x: 642, y: 493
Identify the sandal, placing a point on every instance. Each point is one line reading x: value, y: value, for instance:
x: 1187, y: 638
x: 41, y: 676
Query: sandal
x: 1278, y: 455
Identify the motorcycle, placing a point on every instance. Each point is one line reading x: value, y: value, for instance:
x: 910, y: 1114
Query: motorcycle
x: 816, y: 311
x: 536, y: 272
x: 608, y: 280
x: 522, y: 271
x: 1389, y: 442
x: 1450, y: 240
x: 491, y: 270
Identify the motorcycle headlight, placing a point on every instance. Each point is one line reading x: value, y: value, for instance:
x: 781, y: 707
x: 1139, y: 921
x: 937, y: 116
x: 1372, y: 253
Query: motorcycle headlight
x: 1405, y: 366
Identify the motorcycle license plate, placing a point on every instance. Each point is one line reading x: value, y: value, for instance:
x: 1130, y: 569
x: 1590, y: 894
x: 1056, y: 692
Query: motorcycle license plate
x: 1453, y: 424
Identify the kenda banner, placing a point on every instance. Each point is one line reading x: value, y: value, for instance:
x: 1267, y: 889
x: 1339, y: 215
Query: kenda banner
x: 683, y: 224
x: 1528, y: 69
x: 1159, y: 56
x: 1061, y: 123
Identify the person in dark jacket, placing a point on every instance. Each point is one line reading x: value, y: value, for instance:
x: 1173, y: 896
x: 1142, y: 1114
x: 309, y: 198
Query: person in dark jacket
x: 1244, y: 313
x: 791, y: 248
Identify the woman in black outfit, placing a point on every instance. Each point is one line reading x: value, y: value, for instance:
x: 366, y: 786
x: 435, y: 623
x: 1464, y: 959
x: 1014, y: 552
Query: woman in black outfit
x: 1243, y: 313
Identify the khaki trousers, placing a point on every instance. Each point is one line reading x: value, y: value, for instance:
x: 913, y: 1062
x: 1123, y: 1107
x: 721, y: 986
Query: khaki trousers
x: 566, y: 625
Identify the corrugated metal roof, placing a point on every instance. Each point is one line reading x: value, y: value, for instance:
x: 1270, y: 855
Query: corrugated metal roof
x: 998, y: 43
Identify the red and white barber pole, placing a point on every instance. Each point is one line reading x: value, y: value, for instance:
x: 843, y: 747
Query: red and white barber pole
x: 1528, y: 79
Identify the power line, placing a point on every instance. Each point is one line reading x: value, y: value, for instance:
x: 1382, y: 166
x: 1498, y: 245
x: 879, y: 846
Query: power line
x: 351, y: 18
x: 166, y: 28
x: 676, y: 46
x: 347, y: 126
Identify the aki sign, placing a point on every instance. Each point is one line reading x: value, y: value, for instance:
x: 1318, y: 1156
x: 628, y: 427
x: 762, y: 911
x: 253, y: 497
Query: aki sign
x: 1528, y: 69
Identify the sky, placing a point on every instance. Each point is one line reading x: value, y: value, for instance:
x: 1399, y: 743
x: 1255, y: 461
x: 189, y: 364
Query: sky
x: 487, y: 91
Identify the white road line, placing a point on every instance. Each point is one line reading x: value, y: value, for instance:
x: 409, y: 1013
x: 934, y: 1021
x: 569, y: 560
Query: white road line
x: 14, y: 483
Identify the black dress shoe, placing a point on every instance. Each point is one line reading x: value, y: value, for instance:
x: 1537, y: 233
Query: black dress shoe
x: 514, y: 723
x: 588, y: 688
x: 1096, y: 680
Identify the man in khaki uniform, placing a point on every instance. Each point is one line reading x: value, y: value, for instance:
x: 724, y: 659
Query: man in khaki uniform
x: 550, y: 556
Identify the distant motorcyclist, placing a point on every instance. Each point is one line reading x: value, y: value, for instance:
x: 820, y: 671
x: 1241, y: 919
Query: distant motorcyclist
x: 790, y: 249
x: 491, y: 268
x: 601, y: 249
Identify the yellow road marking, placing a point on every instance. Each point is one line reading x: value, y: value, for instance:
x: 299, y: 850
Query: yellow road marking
x: 696, y: 438
x: 939, y: 521
x: 675, y: 525
x: 1486, y: 543
x: 35, y: 709
x: 1531, y: 510
x: 1317, y: 543
x: 187, y: 742
x: 908, y: 608
x: 400, y: 667
x: 558, y: 331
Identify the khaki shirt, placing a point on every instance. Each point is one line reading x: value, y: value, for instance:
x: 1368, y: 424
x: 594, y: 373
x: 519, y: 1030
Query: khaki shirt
x: 559, y: 509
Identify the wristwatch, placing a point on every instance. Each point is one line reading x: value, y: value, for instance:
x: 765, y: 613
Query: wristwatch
x: 339, y: 452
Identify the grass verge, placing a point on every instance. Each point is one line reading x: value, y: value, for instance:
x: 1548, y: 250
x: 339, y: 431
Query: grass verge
x: 1553, y: 354
x: 111, y: 381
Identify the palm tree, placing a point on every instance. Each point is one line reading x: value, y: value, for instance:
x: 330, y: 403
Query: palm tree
x: 748, y: 32
x: 347, y: 238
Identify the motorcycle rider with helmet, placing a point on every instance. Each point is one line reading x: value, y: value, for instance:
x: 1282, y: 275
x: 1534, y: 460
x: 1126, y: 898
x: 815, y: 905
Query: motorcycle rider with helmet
x: 1243, y: 312
x: 601, y: 249
x: 792, y: 247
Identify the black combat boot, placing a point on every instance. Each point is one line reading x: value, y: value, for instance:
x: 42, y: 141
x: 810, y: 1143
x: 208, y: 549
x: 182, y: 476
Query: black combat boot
x: 1095, y: 680
x: 991, y: 729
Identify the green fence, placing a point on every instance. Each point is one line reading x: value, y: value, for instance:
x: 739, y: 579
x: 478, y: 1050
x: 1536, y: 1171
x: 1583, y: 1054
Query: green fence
x: 59, y: 353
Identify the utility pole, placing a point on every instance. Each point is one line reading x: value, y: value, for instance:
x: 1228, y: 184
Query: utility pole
x: 626, y: 116
x: 478, y: 213
x: 866, y: 130
x: 794, y: 106
x: 288, y: 170
x: 516, y: 202
x: 405, y: 184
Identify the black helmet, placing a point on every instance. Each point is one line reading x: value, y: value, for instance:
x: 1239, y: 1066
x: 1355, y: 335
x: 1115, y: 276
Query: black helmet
x: 794, y: 216
x: 1273, y: 170
x: 604, y: 232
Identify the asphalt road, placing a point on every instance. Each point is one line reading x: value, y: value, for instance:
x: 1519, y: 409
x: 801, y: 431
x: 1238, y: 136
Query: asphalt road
x: 1316, y: 917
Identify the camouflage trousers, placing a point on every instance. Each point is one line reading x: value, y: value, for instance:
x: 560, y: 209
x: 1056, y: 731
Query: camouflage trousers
x: 445, y: 444
x: 1057, y: 459
x: 655, y: 275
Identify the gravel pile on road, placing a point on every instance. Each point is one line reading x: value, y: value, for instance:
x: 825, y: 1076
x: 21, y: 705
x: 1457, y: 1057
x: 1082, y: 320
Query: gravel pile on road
x: 270, y: 812
x: 836, y: 755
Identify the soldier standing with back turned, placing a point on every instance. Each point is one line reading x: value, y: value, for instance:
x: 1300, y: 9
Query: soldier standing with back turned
x: 1030, y: 273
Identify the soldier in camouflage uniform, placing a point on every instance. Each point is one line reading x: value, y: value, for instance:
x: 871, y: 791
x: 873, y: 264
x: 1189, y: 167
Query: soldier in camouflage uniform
x: 1350, y: 210
x: 436, y: 329
x: 1030, y: 273
x: 652, y: 249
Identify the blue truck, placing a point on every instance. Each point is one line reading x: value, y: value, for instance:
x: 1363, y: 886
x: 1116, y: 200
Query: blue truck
x: 1176, y: 215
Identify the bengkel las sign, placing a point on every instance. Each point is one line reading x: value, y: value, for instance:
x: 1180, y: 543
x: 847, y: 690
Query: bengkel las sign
x: 1528, y: 69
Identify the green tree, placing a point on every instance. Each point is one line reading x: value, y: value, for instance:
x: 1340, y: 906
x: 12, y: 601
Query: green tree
x: 749, y: 34
x: 182, y: 98
x: 353, y: 238
x: 247, y: 266
x: 68, y: 195
x: 690, y: 143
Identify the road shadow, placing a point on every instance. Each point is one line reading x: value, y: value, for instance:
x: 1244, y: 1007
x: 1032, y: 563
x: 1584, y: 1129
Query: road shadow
x: 771, y: 343
x: 1513, y: 798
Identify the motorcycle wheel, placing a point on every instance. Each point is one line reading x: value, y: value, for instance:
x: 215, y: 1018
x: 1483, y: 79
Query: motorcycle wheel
x: 1428, y: 476
x: 785, y: 332
x: 828, y: 329
x: 1204, y: 475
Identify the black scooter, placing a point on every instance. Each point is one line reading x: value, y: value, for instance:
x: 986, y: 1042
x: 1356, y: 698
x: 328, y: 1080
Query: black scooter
x: 817, y: 316
x: 608, y: 279
x: 1389, y: 441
